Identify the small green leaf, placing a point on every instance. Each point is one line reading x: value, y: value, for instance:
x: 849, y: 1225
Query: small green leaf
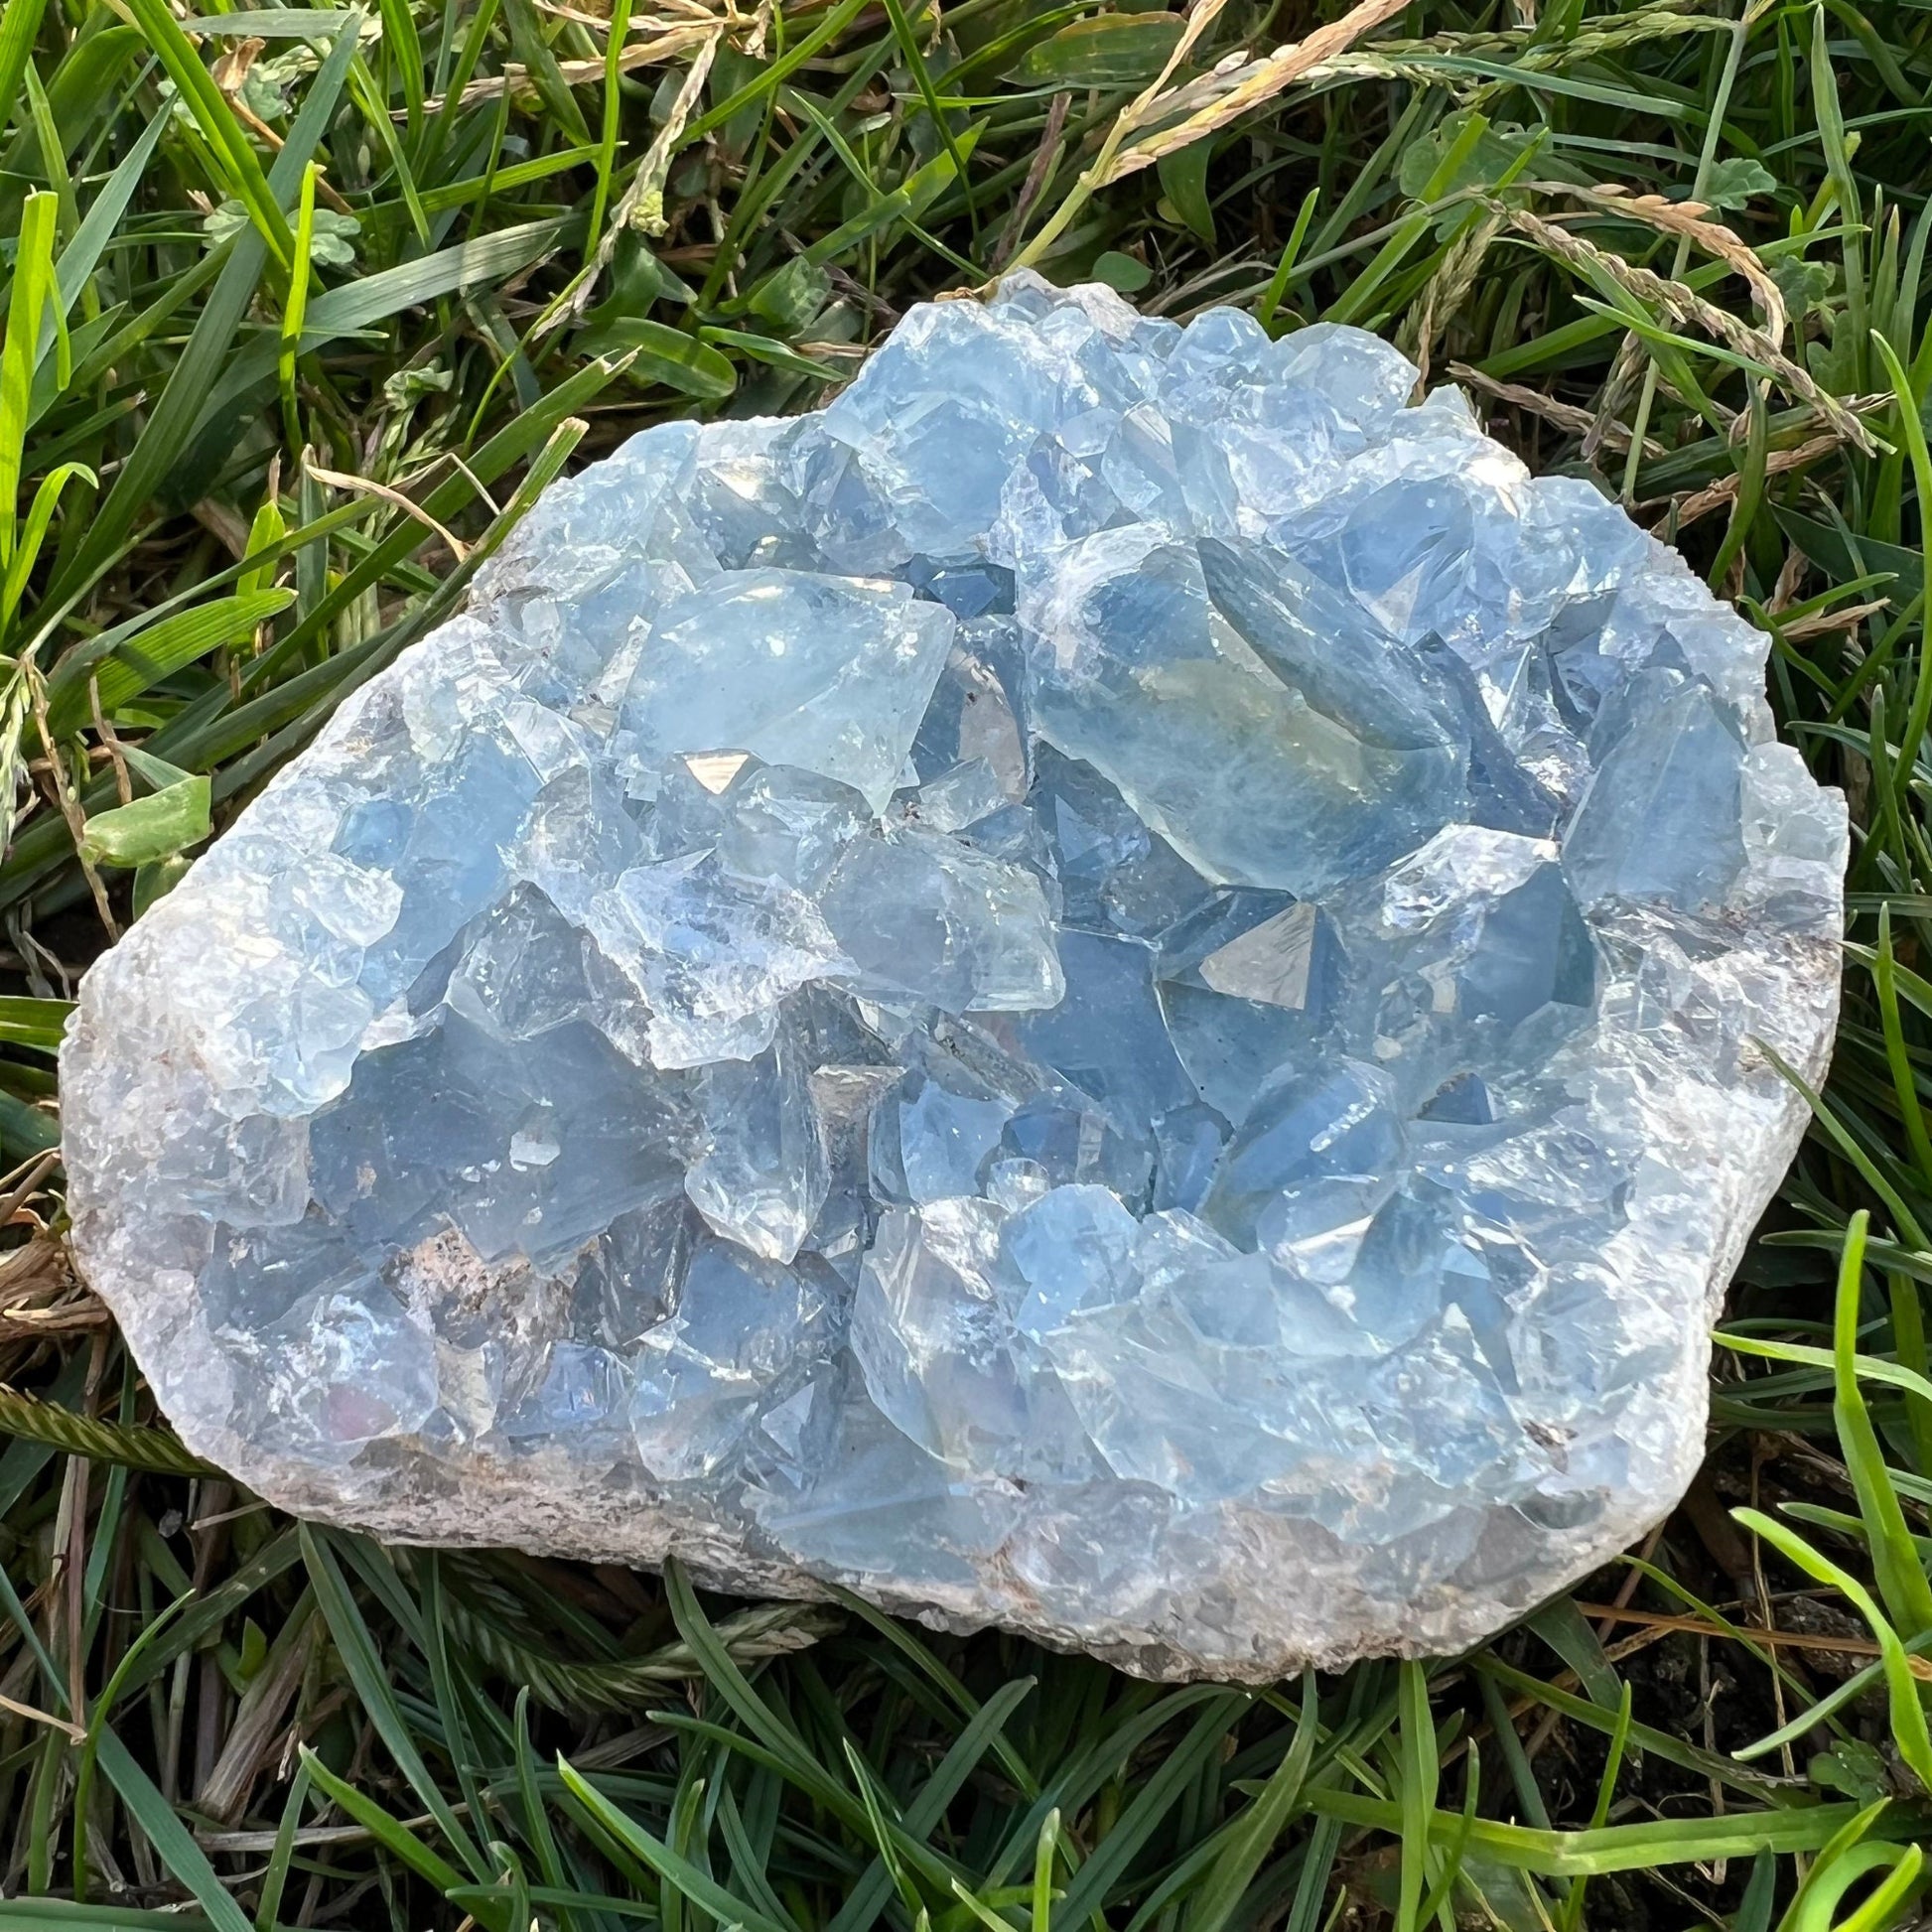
x: 403, y: 388
x: 790, y: 298
x: 1855, y: 1768
x: 1108, y: 50
x: 1462, y: 151
x: 254, y: 1647
x: 330, y: 244
x: 1732, y: 182
x: 155, y: 827
x: 1184, y: 181
x: 637, y: 279
x: 1127, y: 273
x: 1803, y: 283
x: 1424, y: 160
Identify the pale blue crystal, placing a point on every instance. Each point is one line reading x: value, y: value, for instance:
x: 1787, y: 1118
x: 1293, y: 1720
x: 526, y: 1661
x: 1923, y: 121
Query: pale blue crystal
x: 746, y: 1339
x: 931, y: 1143
x: 1661, y: 819
x: 760, y: 1175
x: 935, y: 1332
x: 521, y: 969
x: 1215, y: 746
x: 712, y: 953
x: 923, y: 917
x: 828, y: 673
x: 1117, y: 985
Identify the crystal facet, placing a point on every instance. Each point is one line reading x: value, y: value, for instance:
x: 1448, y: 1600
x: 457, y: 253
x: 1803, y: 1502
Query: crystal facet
x: 1118, y: 986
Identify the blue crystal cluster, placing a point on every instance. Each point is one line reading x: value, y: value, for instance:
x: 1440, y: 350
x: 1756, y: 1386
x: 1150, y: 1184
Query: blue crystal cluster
x: 1114, y: 986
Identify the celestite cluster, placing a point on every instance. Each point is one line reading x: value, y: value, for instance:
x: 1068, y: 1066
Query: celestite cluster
x: 1117, y: 985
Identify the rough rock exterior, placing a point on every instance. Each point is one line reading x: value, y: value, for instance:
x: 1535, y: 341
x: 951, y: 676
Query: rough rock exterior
x: 1114, y: 987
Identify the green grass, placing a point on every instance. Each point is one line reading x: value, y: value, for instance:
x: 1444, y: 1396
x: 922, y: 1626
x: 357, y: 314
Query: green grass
x: 302, y: 307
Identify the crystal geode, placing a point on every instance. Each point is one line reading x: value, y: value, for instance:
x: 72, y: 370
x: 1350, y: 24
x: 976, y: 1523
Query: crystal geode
x: 1118, y: 986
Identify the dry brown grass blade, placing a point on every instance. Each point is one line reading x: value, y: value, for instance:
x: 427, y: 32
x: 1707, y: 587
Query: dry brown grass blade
x: 1565, y: 415
x: 41, y: 1259
x: 1233, y: 90
x: 1827, y: 622
x: 22, y: 1320
x: 1680, y: 304
x: 1178, y: 118
x: 1777, y: 463
x: 1037, y: 173
x: 1697, y: 1626
x: 641, y: 205
x: 684, y: 10
x: 260, y: 1718
x: 1687, y: 220
x: 34, y: 1715
x: 231, y: 68
x: 673, y: 43
x: 340, y: 479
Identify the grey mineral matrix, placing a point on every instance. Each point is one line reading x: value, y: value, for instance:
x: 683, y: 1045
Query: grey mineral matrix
x: 1117, y: 985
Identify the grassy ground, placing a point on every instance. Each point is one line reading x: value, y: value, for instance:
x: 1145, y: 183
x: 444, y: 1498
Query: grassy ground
x: 301, y: 304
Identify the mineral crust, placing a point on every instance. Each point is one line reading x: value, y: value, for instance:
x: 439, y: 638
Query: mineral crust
x: 1118, y: 986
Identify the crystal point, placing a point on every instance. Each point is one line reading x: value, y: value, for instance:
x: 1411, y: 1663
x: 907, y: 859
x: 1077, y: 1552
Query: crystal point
x: 1116, y: 985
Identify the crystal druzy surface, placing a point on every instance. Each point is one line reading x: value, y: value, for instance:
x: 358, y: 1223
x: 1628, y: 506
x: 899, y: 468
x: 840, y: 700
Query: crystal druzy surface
x: 1115, y: 986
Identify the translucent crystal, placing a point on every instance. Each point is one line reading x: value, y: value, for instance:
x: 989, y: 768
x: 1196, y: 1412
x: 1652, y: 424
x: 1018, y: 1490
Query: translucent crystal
x: 761, y: 1177
x: 1118, y: 986
x: 831, y: 674
x: 923, y: 916
x: 711, y: 953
